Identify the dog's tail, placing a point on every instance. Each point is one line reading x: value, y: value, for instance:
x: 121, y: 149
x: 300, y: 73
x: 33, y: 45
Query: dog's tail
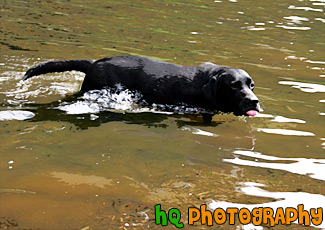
x: 58, y: 66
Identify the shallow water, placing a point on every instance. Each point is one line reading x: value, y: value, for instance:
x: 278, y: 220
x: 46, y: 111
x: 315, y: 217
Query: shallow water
x: 99, y: 161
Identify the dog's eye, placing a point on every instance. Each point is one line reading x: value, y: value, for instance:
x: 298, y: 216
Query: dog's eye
x: 235, y: 85
x: 252, y: 86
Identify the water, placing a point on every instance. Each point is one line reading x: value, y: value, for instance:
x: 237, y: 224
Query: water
x: 98, y: 160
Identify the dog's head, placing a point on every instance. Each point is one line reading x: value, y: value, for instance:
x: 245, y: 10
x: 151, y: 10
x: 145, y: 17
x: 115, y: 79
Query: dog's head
x: 231, y: 90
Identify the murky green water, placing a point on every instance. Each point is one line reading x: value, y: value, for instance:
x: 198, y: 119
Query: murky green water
x: 105, y: 169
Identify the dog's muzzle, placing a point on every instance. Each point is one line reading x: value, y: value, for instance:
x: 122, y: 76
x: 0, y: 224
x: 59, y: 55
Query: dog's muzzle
x: 250, y: 104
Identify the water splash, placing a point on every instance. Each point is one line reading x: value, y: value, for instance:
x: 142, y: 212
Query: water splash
x: 121, y: 99
x: 94, y: 101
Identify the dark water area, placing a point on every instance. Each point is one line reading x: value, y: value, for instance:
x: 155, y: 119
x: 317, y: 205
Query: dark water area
x: 101, y: 161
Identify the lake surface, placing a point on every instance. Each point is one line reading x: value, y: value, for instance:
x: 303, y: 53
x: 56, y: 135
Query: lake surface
x: 99, y: 161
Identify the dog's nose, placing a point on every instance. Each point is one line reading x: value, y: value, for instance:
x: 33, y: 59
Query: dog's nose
x: 254, y: 104
x: 251, y: 102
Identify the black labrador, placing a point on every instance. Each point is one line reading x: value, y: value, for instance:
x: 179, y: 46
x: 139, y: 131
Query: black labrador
x: 209, y: 86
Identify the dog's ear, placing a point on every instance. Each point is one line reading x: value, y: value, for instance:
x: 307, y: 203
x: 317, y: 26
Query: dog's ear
x: 211, y: 87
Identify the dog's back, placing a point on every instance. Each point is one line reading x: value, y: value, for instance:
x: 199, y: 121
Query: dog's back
x: 158, y: 81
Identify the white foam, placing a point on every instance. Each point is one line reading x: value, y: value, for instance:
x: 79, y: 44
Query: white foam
x: 80, y: 107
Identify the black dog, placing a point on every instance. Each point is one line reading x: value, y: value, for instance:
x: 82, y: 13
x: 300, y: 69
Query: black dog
x: 208, y: 86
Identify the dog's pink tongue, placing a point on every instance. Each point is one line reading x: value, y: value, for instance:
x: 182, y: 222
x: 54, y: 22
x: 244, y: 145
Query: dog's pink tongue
x: 252, y: 113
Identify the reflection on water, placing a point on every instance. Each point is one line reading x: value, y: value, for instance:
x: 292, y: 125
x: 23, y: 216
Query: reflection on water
x: 304, y: 166
x: 280, y: 118
x: 286, y: 132
x: 305, y: 87
x: 15, y: 115
x: 283, y: 199
x: 103, y: 159
x: 199, y: 131
x: 285, y: 119
x: 291, y: 7
x: 76, y: 179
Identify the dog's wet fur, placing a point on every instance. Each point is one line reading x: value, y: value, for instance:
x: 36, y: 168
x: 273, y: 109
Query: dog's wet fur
x: 209, y: 86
